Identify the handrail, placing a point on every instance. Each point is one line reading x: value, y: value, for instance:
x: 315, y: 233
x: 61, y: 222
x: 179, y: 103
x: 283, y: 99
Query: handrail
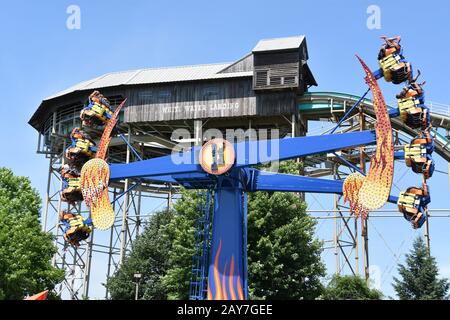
x: 440, y: 138
x: 341, y: 95
x: 435, y: 107
x: 439, y: 108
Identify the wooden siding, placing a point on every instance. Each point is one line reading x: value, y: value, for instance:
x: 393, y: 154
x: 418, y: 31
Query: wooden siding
x: 191, y: 100
x: 233, y: 98
x: 274, y: 103
x: 242, y: 65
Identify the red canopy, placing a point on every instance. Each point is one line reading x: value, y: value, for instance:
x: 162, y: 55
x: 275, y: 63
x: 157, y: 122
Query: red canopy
x: 40, y: 296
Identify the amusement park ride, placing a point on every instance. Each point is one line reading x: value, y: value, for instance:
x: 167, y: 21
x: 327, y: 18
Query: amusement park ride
x: 227, y: 169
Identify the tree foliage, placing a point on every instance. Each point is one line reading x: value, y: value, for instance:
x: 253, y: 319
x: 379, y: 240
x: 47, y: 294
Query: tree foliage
x: 349, y: 288
x: 283, y: 255
x: 149, y: 258
x: 180, y: 232
x: 419, y: 276
x: 25, y: 251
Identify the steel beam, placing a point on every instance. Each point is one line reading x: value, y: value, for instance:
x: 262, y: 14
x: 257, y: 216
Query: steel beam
x: 248, y: 153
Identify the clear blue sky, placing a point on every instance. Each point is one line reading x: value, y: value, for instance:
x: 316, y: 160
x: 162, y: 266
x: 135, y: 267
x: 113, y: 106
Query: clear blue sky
x: 40, y: 56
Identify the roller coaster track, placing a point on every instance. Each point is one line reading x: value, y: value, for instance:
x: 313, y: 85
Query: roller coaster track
x: 319, y: 105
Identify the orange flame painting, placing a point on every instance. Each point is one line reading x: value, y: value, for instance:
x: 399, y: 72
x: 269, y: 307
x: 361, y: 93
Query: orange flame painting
x: 223, y: 286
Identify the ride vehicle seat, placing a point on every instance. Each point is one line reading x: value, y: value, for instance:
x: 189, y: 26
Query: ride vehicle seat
x: 392, y: 63
x: 76, y: 229
x: 413, y: 204
x: 82, y: 147
x: 97, y: 112
x: 418, y: 155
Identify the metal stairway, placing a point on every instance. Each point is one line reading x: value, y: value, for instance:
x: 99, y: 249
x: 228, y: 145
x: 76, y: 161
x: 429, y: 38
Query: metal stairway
x: 199, y: 273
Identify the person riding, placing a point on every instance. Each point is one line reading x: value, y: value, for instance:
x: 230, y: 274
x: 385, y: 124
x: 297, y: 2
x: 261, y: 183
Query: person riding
x: 411, y: 105
x: 393, y: 64
x: 71, y: 190
x: 413, y: 204
x: 390, y: 46
x: 418, y: 154
x: 413, y: 90
x: 76, y: 229
x: 97, y: 112
x: 82, y: 147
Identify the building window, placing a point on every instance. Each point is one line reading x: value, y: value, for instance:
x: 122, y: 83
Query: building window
x: 211, y: 93
x: 145, y: 97
x: 164, y: 96
x: 114, y: 101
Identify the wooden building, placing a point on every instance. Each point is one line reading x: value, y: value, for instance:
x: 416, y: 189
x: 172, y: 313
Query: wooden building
x: 260, y: 90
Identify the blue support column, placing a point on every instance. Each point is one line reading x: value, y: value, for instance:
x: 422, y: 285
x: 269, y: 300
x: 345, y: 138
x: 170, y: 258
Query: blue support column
x: 227, y: 274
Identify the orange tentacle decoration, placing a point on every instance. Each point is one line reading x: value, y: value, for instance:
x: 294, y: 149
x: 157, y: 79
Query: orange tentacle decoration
x: 373, y: 191
x: 95, y: 180
x: 106, y: 136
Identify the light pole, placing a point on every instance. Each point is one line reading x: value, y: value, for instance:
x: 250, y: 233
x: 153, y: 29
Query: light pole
x: 138, y: 277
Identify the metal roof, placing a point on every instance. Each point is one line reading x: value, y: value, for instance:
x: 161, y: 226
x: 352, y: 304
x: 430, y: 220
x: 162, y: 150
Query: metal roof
x: 155, y: 75
x: 279, y: 44
x: 177, y: 74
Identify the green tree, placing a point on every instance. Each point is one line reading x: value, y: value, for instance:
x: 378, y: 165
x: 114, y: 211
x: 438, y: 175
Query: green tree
x: 25, y: 251
x: 180, y: 232
x: 349, y: 288
x: 419, y: 276
x: 149, y: 258
x: 283, y: 255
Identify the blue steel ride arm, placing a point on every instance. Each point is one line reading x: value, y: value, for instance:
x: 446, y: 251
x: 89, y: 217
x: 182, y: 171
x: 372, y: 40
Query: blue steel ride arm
x: 247, y: 154
x: 264, y: 181
x: 161, y: 166
x: 290, y: 148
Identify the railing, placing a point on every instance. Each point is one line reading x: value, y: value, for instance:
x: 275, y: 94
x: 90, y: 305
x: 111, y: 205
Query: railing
x: 439, y: 108
x: 435, y: 107
x: 441, y: 139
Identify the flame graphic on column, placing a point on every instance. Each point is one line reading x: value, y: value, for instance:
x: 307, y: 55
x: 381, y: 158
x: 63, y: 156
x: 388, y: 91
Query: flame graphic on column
x: 230, y: 283
x: 224, y: 286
